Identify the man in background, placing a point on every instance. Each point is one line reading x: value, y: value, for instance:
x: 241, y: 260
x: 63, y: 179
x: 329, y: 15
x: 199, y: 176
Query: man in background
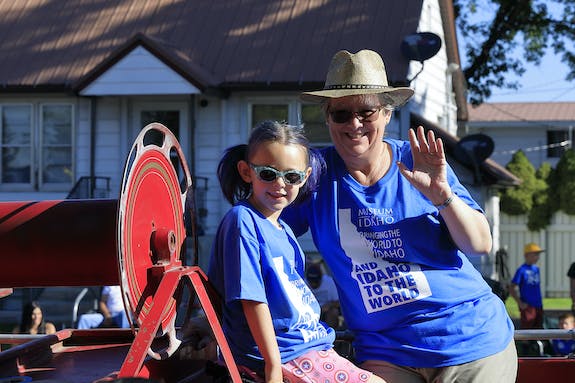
x: 112, y: 312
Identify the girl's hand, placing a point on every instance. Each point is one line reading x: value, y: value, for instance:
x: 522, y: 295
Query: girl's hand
x: 429, y: 174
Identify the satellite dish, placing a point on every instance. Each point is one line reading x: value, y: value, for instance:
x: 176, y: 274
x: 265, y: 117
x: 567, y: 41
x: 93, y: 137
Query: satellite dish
x: 473, y: 149
x: 420, y: 46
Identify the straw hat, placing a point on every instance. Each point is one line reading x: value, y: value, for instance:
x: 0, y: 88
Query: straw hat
x: 352, y: 74
x: 532, y: 248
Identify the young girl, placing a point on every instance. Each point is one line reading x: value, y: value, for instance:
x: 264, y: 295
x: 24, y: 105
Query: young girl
x: 270, y: 316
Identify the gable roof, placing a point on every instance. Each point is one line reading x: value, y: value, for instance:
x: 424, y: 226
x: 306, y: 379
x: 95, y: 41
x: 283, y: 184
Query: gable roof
x: 286, y: 44
x: 522, y: 112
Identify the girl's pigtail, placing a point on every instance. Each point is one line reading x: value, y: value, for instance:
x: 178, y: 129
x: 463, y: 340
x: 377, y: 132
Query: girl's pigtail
x: 233, y: 186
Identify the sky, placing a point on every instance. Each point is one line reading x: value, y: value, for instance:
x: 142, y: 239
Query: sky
x: 545, y: 82
x: 540, y: 83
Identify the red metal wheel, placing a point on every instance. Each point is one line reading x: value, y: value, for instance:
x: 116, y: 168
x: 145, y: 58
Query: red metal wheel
x: 151, y: 229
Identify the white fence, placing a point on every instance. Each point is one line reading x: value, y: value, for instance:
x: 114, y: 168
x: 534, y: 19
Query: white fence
x: 558, y: 240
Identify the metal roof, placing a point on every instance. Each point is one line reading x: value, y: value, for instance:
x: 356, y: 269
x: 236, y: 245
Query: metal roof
x: 522, y: 112
x: 52, y: 44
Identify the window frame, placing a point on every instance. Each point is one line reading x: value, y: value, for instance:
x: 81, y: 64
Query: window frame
x: 37, y: 148
x: 557, y: 152
x: 294, y: 106
x: 41, y: 147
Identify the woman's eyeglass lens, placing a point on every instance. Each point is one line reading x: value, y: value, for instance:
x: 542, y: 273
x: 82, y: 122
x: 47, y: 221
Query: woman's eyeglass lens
x: 343, y: 116
x: 269, y: 174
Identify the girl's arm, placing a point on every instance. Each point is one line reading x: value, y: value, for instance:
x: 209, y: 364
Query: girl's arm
x: 261, y: 326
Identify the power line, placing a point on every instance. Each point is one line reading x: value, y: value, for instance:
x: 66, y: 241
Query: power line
x: 566, y: 144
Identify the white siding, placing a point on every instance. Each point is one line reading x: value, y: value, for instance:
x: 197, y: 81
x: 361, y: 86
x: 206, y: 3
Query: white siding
x: 139, y: 73
x: 433, y: 95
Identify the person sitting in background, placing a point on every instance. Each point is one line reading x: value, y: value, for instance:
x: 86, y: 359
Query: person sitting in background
x: 571, y: 275
x: 112, y: 312
x: 32, y: 321
x: 323, y: 287
x: 565, y: 346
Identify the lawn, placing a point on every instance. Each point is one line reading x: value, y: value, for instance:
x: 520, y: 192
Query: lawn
x: 548, y: 304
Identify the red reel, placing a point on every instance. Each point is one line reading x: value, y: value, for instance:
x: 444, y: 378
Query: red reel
x: 151, y: 230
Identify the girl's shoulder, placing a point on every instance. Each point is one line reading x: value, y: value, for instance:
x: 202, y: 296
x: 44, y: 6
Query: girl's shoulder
x: 242, y: 216
x: 242, y: 210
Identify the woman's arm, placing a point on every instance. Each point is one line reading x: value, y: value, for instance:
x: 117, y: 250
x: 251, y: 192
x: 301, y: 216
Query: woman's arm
x: 261, y: 326
x: 468, y: 227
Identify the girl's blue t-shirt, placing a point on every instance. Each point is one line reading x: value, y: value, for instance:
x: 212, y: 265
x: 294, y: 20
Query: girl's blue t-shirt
x: 408, y: 294
x: 254, y: 260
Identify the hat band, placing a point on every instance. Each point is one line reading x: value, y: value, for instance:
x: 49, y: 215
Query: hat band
x: 356, y: 86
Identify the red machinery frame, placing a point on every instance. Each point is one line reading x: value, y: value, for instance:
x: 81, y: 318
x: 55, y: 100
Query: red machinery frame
x: 135, y: 242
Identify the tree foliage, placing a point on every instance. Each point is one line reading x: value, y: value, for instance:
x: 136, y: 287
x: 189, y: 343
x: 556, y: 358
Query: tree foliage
x: 519, y: 200
x: 563, y: 183
x: 541, y: 193
x: 520, y: 31
x: 542, y: 210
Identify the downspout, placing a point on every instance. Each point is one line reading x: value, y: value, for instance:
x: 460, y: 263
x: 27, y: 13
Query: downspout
x: 192, y: 166
x: 192, y: 119
x: 93, y: 114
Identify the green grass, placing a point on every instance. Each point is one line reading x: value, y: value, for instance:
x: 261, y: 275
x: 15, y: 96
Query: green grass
x: 548, y: 304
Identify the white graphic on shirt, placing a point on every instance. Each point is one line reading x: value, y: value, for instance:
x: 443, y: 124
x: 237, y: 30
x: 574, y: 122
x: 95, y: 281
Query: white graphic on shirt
x: 383, y: 284
x: 532, y: 277
x: 301, y: 298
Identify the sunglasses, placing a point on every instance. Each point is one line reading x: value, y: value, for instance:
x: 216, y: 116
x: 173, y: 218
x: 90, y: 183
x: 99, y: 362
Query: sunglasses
x: 343, y: 116
x: 269, y: 174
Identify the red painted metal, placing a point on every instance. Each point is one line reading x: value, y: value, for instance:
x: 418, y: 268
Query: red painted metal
x: 58, y: 243
x: 143, y: 341
x: 151, y: 228
x: 546, y: 369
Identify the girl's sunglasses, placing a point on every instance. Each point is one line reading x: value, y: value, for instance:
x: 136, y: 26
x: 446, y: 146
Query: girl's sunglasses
x: 269, y: 174
x: 344, y: 116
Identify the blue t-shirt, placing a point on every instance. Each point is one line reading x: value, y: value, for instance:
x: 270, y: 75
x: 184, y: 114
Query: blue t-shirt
x: 254, y: 260
x: 563, y: 346
x: 529, y: 282
x: 406, y: 291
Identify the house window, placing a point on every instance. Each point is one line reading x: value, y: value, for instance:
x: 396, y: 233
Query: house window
x: 16, y: 136
x: 310, y: 115
x: 36, y: 156
x: 558, y: 141
x: 262, y: 112
x: 316, y: 129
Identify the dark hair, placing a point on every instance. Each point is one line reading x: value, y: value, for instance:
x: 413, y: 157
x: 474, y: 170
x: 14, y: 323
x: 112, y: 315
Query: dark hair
x: 26, y: 320
x: 236, y: 189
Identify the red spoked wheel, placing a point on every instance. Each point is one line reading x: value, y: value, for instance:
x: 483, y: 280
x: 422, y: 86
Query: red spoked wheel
x: 151, y: 230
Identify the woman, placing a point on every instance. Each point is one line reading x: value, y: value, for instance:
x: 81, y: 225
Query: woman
x: 32, y: 321
x: 395, y: 227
